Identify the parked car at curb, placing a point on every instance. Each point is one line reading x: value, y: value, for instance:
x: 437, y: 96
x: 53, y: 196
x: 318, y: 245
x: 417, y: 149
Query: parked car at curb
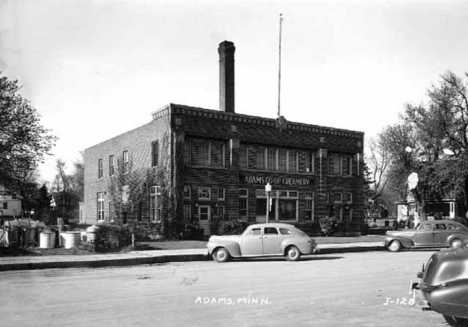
x: 444, y: 285
x: 270, y: 239
x: 428, y: 234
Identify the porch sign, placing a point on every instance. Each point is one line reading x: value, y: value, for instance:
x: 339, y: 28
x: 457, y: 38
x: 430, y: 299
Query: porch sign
x: 290, y: 181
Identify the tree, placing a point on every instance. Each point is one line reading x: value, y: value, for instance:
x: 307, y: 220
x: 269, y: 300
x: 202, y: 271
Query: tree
x: 23, y: 140
x: 77, y: 178
x: 432, y: 141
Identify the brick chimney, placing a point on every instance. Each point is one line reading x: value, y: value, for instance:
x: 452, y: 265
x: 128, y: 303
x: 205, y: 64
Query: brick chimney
x: 226, y: 76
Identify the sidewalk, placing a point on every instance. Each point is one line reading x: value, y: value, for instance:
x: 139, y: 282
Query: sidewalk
x: 146, y: 257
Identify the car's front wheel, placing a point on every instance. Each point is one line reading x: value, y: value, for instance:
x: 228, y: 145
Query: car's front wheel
x: 221, y: 255
x: 395, y: 246
x: 456, y: 243
x: 293, y: 253
x: 456, y: 322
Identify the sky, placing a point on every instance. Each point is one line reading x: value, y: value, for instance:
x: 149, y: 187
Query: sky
x: 95, y: 69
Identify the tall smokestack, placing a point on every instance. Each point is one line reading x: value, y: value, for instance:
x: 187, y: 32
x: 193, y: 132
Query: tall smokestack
x: 226, y: 76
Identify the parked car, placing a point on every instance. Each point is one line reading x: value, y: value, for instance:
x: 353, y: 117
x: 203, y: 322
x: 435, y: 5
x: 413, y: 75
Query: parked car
x: 271, y: 239
x: 444, y: 285
x: 429, y: 234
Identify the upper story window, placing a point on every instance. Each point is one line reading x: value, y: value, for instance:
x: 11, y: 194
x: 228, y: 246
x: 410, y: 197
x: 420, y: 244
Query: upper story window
x: 206, y: 153
x: 125, y: 162
x: 243, y: 156
x: 100, y: 169
x: 282, y: 160
x: 111, y: 166
x: 271, y: 153
x: 260, y: 162
x: 154, y: 153
x: 340, y: 165
x: 293, y: 161
x: 346, y: 165
x: 310, y: 162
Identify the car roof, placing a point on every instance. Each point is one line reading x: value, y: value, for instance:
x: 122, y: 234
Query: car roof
x: 272, y: 225
x: 446, y: 221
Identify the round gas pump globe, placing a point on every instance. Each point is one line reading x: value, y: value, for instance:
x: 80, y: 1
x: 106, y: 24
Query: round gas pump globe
x: 413, y: 180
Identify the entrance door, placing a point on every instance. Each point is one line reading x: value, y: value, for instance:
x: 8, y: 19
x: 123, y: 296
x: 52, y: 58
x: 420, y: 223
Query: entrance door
x: 204, y: 213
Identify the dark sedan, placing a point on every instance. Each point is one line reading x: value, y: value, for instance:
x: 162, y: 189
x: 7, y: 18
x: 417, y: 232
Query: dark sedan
x: 444, y: 285
x: 428, y: 234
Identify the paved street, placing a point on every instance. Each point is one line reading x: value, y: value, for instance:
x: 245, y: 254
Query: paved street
x: 352, y: 289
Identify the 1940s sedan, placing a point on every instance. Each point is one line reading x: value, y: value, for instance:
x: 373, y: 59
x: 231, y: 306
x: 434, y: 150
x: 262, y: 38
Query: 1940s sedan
x: 444, y: 285
x: 271, y: 239
x: 428, y: 234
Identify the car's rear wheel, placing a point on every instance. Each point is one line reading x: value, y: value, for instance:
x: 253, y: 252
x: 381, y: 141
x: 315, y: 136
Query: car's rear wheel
x: 456, y: 243
x: 221, y: 255
x: 293, y: 253
x: 456, y: 322
x: 395, y: 246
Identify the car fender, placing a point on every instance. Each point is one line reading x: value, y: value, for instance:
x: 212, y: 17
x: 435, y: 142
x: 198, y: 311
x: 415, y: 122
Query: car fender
x: 233, y: 247
x: 405, y: 242
x: 304, y: 247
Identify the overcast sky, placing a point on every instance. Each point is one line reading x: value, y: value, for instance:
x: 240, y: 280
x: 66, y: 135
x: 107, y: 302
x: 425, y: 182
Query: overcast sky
x: 95, y: 69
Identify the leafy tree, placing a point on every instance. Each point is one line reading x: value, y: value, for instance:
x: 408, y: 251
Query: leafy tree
x: 77, y: 178
x: 431, y: 140
x: 23, y: 140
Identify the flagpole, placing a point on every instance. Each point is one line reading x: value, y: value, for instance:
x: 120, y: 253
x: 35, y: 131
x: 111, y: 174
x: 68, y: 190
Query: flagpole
x: 279, y: 69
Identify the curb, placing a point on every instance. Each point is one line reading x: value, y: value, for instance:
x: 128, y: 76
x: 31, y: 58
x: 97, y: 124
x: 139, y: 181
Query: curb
x: 121, y: 262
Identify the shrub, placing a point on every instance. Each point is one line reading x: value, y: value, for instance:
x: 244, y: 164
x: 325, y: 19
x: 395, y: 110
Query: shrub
x: 189, y: 230
x: 110, y: 238
x: 231, y: 227
x: 328, y: 225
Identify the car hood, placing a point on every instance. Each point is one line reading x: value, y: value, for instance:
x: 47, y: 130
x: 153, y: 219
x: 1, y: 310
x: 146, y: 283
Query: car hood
x: 394, y: 233
x: 224, y: 238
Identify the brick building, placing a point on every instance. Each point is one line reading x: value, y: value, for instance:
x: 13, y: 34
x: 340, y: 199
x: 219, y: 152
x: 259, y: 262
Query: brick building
x: 212, y: 165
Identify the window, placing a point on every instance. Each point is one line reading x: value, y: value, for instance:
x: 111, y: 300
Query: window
x: 243, y: 156
x: 309, y: 206
x: 207, y: 153
x: 217, y: 154
x: 187, y: 152
x: 346, y: 166
x: 334, y: 164
x: 111, y: 166
x: 271, y: 153
x: 140, y: 211
x: 221, y: 194
x: 125, y: 162
x: 111, y: 211
x: 100, y: 169
x: 187, y: 212
x: 221, y: 212
x: 271, y: 231
x: 347, y: 198
x: 260, y: 162
x: 204, y: 153
x: 187, y: 192
x: 155, y: 204
x: 243, y: 202
x: 100, y: 206
x: 154, y: 153
x: 285, y: 231
x: 293, y: 161
x: 204, y: 193
x: 337, y: 197
x: 254, y: 232
x: 5, y: 206
x: 309, y: 162
x: 287, y: 205
x: 282, y: 160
